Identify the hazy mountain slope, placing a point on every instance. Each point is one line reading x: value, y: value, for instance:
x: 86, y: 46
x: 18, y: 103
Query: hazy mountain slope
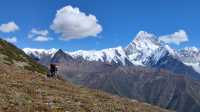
x: 174, y: 65
x: 158, y: 88
x: 29, y: 90
x: 162, y: 59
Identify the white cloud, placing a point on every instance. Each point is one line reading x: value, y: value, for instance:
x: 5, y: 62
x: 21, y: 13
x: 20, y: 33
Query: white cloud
x: 42, y: 39
x: 11, y: 39
x: 39, y: 32
x: 74, y: 24
x: 30, y: 35
x: 9, y: 27
x: 39, y: 35
x: 175, y: 38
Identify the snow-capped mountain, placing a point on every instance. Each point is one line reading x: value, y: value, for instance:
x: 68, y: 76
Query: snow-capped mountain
x: 137, y: 52
x: 191, y: 57
x: 39, y: 53
x: 112, y: 55
x: 44, y: 56
x: 144, y: 46
x: 144, y: 50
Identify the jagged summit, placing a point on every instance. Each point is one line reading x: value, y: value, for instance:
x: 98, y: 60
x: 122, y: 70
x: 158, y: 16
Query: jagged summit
x: 143, y: 36
x: 60, y: 51
x: 142, y: 47
x: 60, y: 57
x: 145, y: 41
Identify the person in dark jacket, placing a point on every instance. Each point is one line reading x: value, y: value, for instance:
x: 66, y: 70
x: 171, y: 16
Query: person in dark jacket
x: 53, y: 70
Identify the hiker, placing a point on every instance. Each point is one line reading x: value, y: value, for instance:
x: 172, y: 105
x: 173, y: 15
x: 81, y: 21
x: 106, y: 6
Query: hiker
x: 53, y: 70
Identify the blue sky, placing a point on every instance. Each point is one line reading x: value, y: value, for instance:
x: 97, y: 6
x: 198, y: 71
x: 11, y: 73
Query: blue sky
x: 120, y: 20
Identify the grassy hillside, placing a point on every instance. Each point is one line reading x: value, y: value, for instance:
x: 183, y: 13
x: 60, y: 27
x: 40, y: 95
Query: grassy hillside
x: 9, y: 55
x: 25, y: 91
x: 25, y: 88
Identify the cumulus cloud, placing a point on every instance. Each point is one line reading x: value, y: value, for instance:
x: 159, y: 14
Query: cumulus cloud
x: 9, y: 27
x: 71, y: 23
x: 175, y: 38
x: 11, y: 39
x: 39, y: 35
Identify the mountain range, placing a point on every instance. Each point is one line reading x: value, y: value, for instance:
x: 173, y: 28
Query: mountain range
x: 25, y: 88
x: 146, y: 70
x: 145, y: 50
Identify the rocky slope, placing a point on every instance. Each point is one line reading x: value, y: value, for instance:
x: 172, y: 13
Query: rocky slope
x: 155, y: 87
x: 25, y: 88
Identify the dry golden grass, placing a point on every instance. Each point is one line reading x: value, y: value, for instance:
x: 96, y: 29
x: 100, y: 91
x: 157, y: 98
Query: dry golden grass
x: 25, y: 91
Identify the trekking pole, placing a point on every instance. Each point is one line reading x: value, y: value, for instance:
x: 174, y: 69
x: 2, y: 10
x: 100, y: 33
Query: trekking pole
x: 56, y: 73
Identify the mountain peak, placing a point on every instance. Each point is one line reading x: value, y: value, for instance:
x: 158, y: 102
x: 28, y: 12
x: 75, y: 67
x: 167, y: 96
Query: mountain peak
x: 142, y: 47
x: 145, y: 40
x: 61, y: 56
x: 60, y: 51
x: 142, y: 35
